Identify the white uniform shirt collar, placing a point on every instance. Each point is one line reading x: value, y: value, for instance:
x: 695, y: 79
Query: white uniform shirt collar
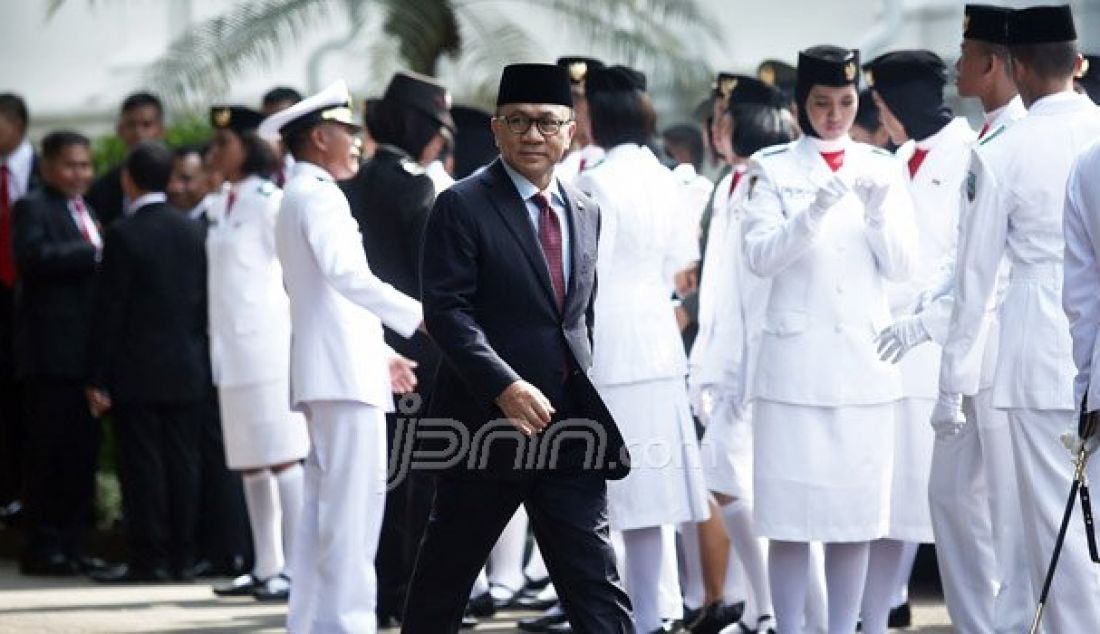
x: 836, y: 145
x: 305, y: 168
x: 930, y: 142
x: 146, y: 199
x: 684, y: 172
x: 1057, y: 102
x: 20, y: 163
x: 527, y: 189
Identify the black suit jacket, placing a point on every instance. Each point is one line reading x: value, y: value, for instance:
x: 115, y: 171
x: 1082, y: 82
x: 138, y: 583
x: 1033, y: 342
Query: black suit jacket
x: 53, y: 295
x: 390, y: 198
x: 150, y: 315
x: 105, y: 195
x: 489, y: 306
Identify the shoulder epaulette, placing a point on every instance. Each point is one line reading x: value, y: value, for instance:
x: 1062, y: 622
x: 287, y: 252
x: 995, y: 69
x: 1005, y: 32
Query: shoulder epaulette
x: 878, y: 150
x: 774, y: 150
x: 996, y: 133
x: 412, y: 167
x: 266, y: 188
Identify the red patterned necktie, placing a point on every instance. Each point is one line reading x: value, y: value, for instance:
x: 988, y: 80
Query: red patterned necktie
x: 985, y: 128
x: 82, y: 219
x: 550, y: 240
x: 916, y: 160
x: 7, y: 255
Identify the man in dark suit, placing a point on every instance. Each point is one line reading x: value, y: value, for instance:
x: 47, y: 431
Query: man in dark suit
x: 390, y: 198
x: 147, y: 367
x: 57, y: 247
x: 141, y: 118
x: 508, y: 282
x: 18, y: 175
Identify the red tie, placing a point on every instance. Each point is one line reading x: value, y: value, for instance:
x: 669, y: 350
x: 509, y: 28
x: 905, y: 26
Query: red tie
x: 916, y: 160
x: 550, y: 240
x: 7, y: 255
x: 82, y: 219
x: 736, y: 179
x: 834, y: 159
x: 985, y: 128
x: 229, y: 203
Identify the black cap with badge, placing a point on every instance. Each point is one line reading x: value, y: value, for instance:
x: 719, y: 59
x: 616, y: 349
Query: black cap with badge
x: 239, y: 119
x: 986, y: 23
x: 615, y: 79
x: 911, y: 83
x: 1088, y: 78
x: 423, y: 94
x: 578, y: 67
x: 823, y: 65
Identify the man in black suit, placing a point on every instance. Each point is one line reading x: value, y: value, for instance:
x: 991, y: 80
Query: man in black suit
x: 141, y: 118
x: 390, y: 198
x: 508, y: 282
x: 18, y: 176
x: 57, y: 247
x: 147, y: 366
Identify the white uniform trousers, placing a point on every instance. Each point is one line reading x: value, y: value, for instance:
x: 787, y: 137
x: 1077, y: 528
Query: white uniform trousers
x: 976, y: 521
x: 1044, y: 472
x: 345, y: 490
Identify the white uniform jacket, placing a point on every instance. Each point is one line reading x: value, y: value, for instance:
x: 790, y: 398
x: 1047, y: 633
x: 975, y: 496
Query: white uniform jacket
x: 828, y: 297
x: 935, y: 190
x: 936, y: 316
x: 1081, y: 293
x: 697, y: 189
x: 248, y: 307
x: 732, y: 301
x: 1016, y: 191
x: 643, y: 244
x: 337, y: 305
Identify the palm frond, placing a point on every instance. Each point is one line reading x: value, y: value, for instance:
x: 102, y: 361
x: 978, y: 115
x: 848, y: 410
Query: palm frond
x: 426, y: 29
x: 489, y: 44
x: 201, y: 62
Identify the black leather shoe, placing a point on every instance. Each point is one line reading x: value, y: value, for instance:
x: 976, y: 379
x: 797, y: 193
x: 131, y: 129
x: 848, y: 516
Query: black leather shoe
x: 559, y: 628
x: 468, y: 622
x: 482, y: 606
x: 53, y: 564
x: 124, y: 573
x: 716, y: 616
x: 242, y: 586
x: 275, y: 589
x: 193, y: 571
x: 900, y: 616
x: 511, y: 602
x: 542, y: 623
x: 87, y: 565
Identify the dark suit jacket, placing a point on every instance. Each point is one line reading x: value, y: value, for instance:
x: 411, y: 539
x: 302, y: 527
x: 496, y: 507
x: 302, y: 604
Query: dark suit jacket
x: 489, y: 306
x: 53, y: 295
x: 390, y: 198
x: 105, y: 195
x: 150, y: 315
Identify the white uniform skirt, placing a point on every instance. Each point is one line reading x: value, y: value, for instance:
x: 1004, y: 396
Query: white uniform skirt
x: 822, y: 473
x: 666, y: 484
x: 910, y: 516
x: 258, y: 426
x: 726, y: 452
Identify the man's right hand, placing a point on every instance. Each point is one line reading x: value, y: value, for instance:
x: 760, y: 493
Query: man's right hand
x: 98, y: 401
x: 526, y: 407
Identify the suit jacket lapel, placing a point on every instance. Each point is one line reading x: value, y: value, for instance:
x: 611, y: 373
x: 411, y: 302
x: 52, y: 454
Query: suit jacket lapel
x: 578, y: 221
x: 513, y: 211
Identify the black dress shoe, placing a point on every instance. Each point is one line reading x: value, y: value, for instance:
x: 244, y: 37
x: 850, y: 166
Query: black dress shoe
x: 508, y: 603
x: 542, y: 623
x: 560, y: 628
x: 275, y: 589
x: 692, y: 616
x: 468, y: 622
x: 900, y: 616
x: 87, y: 565
x: 53, y: 564
x: 482, y: 606
x: 190, y: 572
x: 242, y: 586
x: 124, y: 573
x: 718, y: 615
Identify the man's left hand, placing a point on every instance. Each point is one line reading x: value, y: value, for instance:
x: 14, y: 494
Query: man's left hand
x: 402, y: 377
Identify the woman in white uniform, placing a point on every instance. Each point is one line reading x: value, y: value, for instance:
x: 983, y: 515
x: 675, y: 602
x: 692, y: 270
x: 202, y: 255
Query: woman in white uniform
x: 250, y: 348
x: 829, y: 221
x: 639, y: 365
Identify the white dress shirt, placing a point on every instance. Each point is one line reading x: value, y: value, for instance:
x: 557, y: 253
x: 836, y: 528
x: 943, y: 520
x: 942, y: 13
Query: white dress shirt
x: 527, y: 191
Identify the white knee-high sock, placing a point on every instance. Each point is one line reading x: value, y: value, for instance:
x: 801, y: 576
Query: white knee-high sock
x: 263, y: 515
x: 691, y: 565
x: 643, y: 551
x: 878, y: 596
x: 817, y: 617
x: 788, y: 574
x: 845, y: 576
x: 536, y: 567
x: 738, y: 516
x: 291, y: 487
x: 908, y: 557
x: 506, y: 558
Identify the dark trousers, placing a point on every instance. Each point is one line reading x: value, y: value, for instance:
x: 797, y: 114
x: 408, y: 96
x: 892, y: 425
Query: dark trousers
x: 158, y: 455
x: 12, y: 429
x: 223, y: 536
x: 568, y: 513
x: 61, y: 448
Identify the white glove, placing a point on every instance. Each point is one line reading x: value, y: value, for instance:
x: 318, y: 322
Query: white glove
x: 1073, y: 443
x: 947, y: 416
x: 900, y: 337
x: 828, y: 195
x: 873, y: 196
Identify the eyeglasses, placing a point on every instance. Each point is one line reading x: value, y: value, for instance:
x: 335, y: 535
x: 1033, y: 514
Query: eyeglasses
x: 521, y: 123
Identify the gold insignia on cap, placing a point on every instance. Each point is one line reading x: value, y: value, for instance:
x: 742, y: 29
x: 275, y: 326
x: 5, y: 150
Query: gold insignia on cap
x: 222, y: 117
x: 1084, y: 68
x: 726, y: 85
x: 869, y: 78
x: 767, y: 74
x: 578, y: 71
x: 850, y: 71
x: 340, y: 114
x: 966, y: 23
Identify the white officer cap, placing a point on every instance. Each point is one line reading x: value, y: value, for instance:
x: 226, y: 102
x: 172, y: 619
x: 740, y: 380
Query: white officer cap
x: 331, y: 104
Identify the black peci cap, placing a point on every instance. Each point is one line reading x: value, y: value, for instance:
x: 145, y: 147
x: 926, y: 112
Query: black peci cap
x: 1041, y: 25
x: 748, y: 90
x: 579, y: 67
x: 535, y: 83
x: 614, y: 79
x: 986, y: 23
x: 828, y: 66
x: 423, y: 94
x: 236, y: 118
x: 906, y: 67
